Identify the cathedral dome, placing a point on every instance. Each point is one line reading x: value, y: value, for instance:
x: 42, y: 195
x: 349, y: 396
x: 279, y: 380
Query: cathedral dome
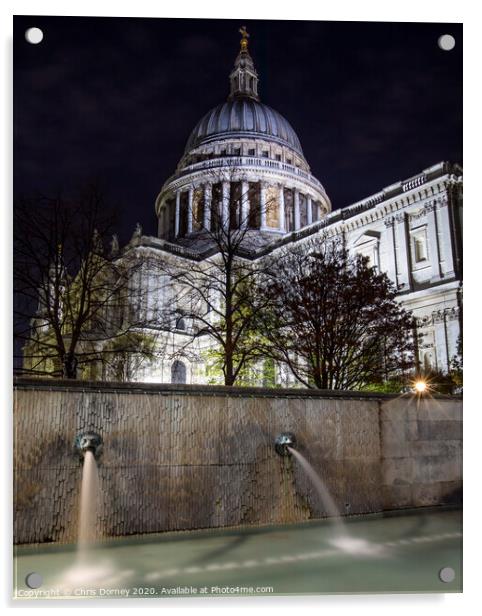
x: 243, y: 116
x: 243, y: 168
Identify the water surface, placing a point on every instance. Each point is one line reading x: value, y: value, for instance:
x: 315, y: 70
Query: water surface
x: 396, y: 553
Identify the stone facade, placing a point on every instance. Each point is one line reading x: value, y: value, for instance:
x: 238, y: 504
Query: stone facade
x: 411, y: 230
x: 243, y: 167
x: 183, y: 457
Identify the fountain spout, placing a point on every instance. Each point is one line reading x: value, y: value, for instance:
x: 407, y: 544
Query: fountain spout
x: 88, y: 441
x: 283, y: 442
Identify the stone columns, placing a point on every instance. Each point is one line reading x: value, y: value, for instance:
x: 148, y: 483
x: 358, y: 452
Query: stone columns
x: 452, y: 326
x: 309, y: 211
x: 441, y: 345
x: 208, y: 195
x: 433, y: 246
x: 389, y: 239
x: 160, y: 221
x: 296, y: 196
x: 282, y: 208
x: 317, y: 212
x: 262, y: 204
x: 448, y: 251
x: 244, y: 204
x: 403, y: 263
x: 178, y: 211
x: 189, y: 210
x: 225, y: 205
x: 165, y: 219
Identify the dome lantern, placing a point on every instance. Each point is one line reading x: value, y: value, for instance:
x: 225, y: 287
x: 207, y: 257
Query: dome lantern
x: 244, y: 78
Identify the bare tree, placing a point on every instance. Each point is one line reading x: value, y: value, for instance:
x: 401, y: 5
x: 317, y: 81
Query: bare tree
x: 333, y: 320
x: 74, y: 299
x: 216, y: 293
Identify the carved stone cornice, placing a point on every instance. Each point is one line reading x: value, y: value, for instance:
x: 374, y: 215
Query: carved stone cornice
x: 396, y: 218
x: 453, y: 314
x: 442, y: 201
x: 448, y: 314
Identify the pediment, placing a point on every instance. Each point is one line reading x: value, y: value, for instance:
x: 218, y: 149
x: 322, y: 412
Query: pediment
x: 367, y: 236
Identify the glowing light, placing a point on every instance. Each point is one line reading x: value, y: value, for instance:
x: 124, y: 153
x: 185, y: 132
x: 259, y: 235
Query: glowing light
x: 420, y: 387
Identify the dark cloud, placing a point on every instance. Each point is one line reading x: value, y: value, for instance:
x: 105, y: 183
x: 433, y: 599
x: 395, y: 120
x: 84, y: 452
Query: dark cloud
x: 117, y: 98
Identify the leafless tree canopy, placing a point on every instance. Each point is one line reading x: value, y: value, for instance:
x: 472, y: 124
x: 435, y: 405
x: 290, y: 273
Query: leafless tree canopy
x: 72, y: 294
x: 333, y: 320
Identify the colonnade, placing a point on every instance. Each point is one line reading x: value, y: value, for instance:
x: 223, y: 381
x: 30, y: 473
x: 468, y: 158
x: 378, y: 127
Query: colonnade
x: 270, y: 200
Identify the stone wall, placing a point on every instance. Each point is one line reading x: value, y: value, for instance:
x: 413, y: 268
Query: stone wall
x: 185, y: 457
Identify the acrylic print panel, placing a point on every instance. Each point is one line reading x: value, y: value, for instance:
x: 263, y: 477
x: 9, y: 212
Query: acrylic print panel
x: 238, y: 307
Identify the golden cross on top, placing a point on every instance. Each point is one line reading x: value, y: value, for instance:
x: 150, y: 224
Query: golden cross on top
x: 244, y: 40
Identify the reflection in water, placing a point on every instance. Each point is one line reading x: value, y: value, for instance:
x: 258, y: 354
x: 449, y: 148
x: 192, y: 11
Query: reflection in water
x: 357, y: 546
x: 373, y: 557
x: 89, y: 571
x: 224, y: 549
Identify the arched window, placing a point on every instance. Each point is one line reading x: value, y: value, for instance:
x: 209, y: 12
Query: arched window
x: 178, y: 372
x: 181, y: 324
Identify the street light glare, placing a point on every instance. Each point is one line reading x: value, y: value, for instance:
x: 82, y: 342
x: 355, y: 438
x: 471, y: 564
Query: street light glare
x: 420, y: 387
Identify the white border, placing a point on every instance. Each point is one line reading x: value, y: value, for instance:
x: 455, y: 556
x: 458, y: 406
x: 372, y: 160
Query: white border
x: 349, y: 10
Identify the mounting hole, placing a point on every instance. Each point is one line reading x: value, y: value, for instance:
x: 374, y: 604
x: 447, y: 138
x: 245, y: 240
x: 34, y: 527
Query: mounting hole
x: 34, y: 580
x: 447, y: 574
x: 446, y: 42
x: 34, y: 36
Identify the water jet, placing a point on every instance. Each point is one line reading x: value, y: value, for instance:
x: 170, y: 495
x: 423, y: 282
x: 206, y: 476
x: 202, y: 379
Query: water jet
x: 285, y: 445
x: 89, y: 447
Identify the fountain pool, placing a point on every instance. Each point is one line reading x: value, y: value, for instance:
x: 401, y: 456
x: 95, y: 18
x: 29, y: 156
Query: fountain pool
x: 401, y: 552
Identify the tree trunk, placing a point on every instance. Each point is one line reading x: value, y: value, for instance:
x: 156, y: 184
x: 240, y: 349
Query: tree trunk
x: 70, y: 366
x: 228, y: 362
x: 229, y: 378
x: 228, y: 349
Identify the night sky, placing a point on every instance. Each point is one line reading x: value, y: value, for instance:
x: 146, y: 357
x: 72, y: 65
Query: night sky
x: 115, y: 99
